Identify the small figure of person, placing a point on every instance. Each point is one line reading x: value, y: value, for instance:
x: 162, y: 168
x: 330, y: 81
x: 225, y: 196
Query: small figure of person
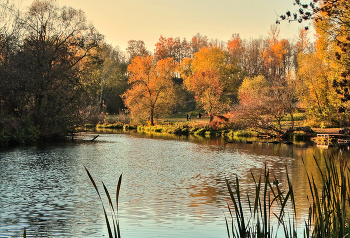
x: 187, y: 116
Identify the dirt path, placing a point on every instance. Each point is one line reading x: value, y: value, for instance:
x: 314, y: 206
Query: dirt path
x: 326, y: 130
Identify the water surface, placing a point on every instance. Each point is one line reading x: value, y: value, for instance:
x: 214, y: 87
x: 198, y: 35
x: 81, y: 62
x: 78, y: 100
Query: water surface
x: 172, y: 186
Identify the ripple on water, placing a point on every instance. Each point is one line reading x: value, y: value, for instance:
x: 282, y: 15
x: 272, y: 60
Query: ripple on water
x: 170, y: 188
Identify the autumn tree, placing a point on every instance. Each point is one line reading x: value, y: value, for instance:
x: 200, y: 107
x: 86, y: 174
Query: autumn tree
x: 316, y: 72
x: 197, y: 42
x: 152, y: 90
x: 275, y: 55
x: 172, y: 47
x: 332, y: 20
x: 212, y: 64
x: 208, y: 91
x: 236, y: 47
x: 137, y: 48
x: 264, y: 104
x: 46, y: 67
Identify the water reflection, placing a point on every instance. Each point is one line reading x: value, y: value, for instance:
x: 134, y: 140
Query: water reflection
x: 172, y: 186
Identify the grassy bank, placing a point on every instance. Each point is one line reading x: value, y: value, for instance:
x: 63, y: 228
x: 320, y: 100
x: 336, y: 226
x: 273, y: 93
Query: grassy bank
x: 197, y: 128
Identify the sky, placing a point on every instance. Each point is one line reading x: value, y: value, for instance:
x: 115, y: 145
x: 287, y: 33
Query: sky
x: 123, y: 20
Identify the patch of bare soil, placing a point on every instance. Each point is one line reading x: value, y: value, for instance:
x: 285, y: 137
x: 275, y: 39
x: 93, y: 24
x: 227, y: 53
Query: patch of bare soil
x: 326, y: 130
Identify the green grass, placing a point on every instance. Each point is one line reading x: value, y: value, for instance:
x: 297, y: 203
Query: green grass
x: 299, y: 116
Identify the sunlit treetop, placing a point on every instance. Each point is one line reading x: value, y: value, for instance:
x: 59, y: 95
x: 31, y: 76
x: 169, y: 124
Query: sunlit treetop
x: 317, y: 10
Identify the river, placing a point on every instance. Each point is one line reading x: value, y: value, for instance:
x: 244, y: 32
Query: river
x: 171, y: 187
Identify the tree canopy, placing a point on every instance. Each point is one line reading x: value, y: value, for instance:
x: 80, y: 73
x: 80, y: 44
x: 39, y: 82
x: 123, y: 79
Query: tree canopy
x: 152, y: 90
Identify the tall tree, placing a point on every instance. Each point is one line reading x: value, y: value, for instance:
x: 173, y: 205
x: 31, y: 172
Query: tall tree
x: 47, y: 67
x: 332, y: 17
x: 197, y: 42
x: 136, y: 48
x: 252, y: 60
x: 208, y: 91
x: 171, y: 47
x: 316, y: 73
x: 212, y: 64
x: 152, y: 90
x: 235, y: 46
x: 275, y: 55
x: 264, y: 104
x: 108, y: 73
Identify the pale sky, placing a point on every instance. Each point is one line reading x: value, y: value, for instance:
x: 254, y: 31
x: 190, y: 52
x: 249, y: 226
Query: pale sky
x: 123, y: 20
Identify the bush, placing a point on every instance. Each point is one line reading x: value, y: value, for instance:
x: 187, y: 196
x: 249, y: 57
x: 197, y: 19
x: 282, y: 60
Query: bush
x: 121, y: 118
x: 300, y: 137
x: 15, y: 130
x: 200, y: 132
x: 244, y: 134
x: 117, y: 125
x: 209, y: 133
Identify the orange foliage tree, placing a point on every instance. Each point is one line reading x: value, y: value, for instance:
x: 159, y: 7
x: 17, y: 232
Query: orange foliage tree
x: 275, y: 55
x: 208, y: 90
x: 172, y: 47
x: 235, y: 46
x: 152, y: 89
x: 212, y: 78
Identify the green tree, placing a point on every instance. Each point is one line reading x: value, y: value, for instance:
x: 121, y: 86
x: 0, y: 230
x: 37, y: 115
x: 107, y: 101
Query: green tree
x: 108, y: 75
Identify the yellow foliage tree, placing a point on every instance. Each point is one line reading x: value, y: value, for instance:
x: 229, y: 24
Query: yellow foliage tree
x: 314, y: 85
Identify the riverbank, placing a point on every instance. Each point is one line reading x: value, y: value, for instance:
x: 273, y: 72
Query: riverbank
x: 203, y: 129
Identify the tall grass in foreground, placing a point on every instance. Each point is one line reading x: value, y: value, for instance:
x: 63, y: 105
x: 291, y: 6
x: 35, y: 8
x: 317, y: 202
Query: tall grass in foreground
x: 328, y: 212
x: 330, y: 204
x: 115, y: 220
x: 268, y: 202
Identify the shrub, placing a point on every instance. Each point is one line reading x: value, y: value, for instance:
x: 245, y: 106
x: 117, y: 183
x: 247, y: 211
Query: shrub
x: 200, y: 132
x: 244, y: 134
x: 209, y: 133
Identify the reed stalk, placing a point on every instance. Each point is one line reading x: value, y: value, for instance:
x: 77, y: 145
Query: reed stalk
x: 328, y: 212
x: 114, y: 218
x: 268, y: 198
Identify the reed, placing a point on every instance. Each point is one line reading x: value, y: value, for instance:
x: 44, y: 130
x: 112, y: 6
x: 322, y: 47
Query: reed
x: 113, y: 232
x: 328, y: 212
x: 258, y: 219
x: 330, y: 202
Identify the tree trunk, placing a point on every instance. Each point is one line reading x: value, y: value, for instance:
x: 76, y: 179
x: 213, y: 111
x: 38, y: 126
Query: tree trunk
x: 292, y: 117
x: 211, y: 117
x: 151, y: 117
